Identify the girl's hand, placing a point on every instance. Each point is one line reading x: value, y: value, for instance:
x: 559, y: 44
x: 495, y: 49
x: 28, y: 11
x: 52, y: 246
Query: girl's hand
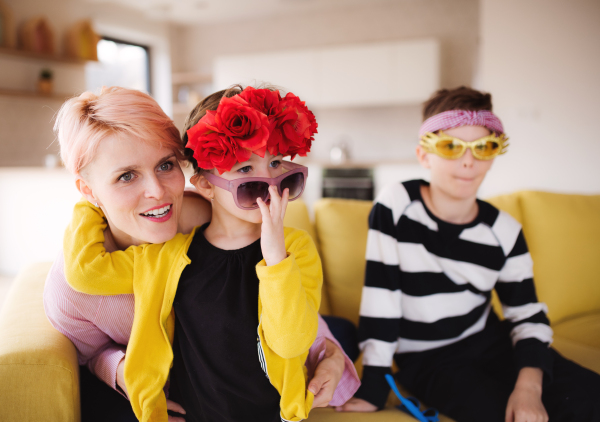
x: 525, y: 402
x: 272, y: 240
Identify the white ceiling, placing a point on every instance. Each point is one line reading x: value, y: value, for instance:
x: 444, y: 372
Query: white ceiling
x: 213, y: 11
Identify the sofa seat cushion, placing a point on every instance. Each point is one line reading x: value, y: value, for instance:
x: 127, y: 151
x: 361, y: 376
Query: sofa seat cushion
x: 38, y: 365
x: 389, y: 414
x: 578, y: 339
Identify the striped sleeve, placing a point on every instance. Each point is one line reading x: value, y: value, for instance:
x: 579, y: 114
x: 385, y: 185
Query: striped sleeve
x: 380, y: 310
x: 530, y: 329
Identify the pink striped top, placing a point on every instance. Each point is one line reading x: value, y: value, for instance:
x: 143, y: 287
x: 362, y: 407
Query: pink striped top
x: 100, y: 327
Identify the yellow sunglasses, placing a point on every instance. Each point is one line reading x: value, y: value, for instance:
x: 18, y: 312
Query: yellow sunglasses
x: 453, y: 148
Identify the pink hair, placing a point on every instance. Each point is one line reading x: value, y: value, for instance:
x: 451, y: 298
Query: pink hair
x: 84, y: 121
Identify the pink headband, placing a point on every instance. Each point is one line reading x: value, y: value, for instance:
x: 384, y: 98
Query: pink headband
x: 456, y: 118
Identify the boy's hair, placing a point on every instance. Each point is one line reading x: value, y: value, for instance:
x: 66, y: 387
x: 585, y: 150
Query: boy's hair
x: 461, y: 98
x: 209, y: 103
x: 84, y: 121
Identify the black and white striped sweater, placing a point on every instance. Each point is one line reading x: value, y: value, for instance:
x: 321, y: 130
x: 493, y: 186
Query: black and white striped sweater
x: 428, y: 283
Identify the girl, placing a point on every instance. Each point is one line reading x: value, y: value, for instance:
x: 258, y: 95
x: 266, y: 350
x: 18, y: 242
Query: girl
x: 243, y: 253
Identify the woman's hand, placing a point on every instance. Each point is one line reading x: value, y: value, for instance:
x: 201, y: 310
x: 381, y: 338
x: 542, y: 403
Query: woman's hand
x: 328, y: 374
x: 525, y: 402
x: 121, y: 377
x: 272, y: 240
x: 171, y: 405
x: 356, y: 405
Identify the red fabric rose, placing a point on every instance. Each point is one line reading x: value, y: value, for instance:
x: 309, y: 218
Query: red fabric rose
x: 252, y: 122
x: 264, y: 100
x: 245, y: 125
x: 212, y: 148
x: 229, y: 135
x: 295, y: 126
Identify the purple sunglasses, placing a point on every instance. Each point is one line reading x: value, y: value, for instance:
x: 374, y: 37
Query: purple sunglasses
x: 245, y: 190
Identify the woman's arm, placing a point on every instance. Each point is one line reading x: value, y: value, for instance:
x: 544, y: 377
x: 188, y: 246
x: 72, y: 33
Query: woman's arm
x: 335, y: 379
x: 195, y: 211
x: 66, y: 311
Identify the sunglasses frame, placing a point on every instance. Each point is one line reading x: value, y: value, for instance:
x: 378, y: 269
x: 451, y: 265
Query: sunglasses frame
x: 232, y: 185
x: 430, y: 140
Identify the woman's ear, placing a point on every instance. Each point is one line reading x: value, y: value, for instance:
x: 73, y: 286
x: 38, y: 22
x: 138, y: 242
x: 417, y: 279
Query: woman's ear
x: 205, y: 189
x: 422, y: 157
x: 86, y: 190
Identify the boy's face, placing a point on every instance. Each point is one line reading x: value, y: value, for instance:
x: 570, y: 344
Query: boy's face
x: 462, y: 177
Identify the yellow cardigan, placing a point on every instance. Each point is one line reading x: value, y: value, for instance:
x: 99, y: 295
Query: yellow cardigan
x: 289, y: 297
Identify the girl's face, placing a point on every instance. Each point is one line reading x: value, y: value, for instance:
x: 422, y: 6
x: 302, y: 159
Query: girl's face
x: 268, y: 166
x: 139, y: 187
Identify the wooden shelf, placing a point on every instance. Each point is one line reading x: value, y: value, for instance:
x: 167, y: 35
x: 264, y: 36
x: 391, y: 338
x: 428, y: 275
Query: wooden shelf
x: 32, y: 94
x: 181, y: 108
x: 39, y: 56
x: 190, y: 78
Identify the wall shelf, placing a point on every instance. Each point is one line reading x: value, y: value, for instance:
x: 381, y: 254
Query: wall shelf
x: 40, y: 56
x: 32, y: 94
x: 190, y: 78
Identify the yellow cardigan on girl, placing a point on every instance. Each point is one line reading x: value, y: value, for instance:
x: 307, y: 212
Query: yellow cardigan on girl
x: 289, y: 298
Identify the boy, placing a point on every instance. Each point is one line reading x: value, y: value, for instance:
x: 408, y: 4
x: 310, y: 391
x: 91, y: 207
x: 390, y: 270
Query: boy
x: 434, y: 254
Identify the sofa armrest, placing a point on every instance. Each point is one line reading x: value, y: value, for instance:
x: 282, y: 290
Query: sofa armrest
x: 38, y: 365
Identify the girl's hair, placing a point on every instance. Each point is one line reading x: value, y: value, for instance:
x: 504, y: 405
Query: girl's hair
x: 84, y: 121
x: 210, y: 103
x: 461, y: 98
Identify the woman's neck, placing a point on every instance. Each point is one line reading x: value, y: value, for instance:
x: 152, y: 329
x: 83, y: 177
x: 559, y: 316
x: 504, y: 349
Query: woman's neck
x: 112, y: 244
x: 447, y: 208
x: 229, y: 232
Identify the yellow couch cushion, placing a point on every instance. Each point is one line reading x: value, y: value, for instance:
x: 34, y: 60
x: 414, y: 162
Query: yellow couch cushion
x: 38, y: 365
x: 297, y: 216
x: 579, y: 339
x: 342, y: 226
x: 563, y: 234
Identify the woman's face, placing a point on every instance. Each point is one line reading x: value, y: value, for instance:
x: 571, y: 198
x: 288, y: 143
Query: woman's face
x: 139, y: 187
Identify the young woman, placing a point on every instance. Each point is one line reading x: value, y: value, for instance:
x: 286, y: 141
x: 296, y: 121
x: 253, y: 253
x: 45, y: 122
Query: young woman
x: 124, y: 153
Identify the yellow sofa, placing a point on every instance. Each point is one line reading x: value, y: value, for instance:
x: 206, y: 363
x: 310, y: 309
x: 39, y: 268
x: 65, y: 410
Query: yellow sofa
x: 38, y: 366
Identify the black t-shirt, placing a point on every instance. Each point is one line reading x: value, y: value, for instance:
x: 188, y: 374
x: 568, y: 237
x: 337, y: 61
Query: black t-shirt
x: 216, y: 374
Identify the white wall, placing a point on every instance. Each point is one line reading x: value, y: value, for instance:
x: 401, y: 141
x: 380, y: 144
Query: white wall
x: 35, y: 207
x: 371, y: 132
x: 540, y: 61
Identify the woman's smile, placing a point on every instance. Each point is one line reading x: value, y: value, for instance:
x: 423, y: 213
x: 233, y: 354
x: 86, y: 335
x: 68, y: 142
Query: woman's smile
x: 159, y: 214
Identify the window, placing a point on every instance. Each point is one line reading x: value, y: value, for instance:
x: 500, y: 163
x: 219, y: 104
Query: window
x: 120, y: 63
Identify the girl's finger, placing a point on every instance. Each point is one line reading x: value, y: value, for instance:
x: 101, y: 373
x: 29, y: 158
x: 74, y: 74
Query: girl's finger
x: 264, y: 210
x: 284, y: 201
x: 275, y: 205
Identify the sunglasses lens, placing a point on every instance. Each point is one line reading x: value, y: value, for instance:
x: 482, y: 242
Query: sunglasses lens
x: 295, y: 183
x: 248, y: 192
x: 487, y: 149
x: 449, y: 148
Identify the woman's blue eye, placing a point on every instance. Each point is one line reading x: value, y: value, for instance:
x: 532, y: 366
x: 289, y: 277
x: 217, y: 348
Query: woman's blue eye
x: 166, y: 166
x: 126, y: 177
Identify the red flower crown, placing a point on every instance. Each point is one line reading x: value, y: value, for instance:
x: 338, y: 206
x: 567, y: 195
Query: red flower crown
x: 253, y: 121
